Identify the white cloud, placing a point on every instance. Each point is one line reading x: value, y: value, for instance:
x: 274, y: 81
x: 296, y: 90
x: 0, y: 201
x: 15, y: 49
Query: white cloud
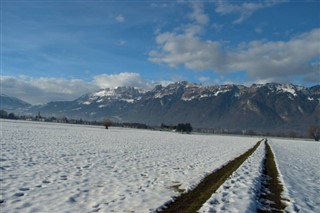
x: 120, y: 18
x: 128, y: 79
x: 217, y: 27
x: 192, y: 52
x: 199, y: 19
x: 42, y: 90
x: 244, y: 9
x: 203, y: 79
x: 280, y: 59
x: 198, y: 13
x: 159, y: 5
x: 121, y: 79
x: 260, y: 59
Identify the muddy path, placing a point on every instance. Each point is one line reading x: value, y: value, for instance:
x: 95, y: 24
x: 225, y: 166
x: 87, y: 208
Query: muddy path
x: 271, y: 188
x: 192, y: 201
x: 253, y: 176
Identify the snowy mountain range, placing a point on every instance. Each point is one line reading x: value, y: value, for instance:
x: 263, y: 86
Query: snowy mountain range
x: 261, y: 106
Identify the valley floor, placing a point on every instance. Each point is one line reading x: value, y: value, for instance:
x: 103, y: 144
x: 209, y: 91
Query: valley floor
x: 47, y: 167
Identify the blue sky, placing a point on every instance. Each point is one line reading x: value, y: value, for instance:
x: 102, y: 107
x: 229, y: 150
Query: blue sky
x: 59, y: 50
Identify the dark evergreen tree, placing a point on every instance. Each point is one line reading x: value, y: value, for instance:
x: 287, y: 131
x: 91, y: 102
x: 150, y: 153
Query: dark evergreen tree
x: 3, y: 114
x: 181, y: 127
x: 188, y: 127
x: 12, y: 116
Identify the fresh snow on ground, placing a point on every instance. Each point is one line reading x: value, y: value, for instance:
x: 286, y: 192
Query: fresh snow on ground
x: 239, y: 193
x: 299, y: 163
x: 47, y: 167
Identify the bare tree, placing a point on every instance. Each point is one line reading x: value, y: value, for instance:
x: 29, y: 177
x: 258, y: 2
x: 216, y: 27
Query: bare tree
x: 107, y: 122
x: 314, y: 132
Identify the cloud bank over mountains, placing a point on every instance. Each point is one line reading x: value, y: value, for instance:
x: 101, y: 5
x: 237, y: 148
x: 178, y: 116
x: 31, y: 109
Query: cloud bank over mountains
x: 262, y: 60
x: 42, y: 90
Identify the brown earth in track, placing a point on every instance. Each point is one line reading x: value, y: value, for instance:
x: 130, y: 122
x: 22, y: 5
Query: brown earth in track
x: 271, y: 188
x: 192, y: 201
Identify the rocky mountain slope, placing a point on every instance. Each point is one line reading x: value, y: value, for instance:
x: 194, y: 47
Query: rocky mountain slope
x: 260, y: 106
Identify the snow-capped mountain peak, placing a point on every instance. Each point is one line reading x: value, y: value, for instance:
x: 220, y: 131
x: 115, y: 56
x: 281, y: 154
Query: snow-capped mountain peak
x: 127, y: 94
x: 104, y: 93
x: 285, y: 88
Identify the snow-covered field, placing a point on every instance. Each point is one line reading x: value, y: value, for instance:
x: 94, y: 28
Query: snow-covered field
x: 299, y: 165
x: 48, y: 167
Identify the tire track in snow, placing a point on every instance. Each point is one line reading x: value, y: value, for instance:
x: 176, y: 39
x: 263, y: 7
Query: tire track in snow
x: 270, y: 198
x: 240, y: 192
x: 193, y: 200
x: 253, y: 187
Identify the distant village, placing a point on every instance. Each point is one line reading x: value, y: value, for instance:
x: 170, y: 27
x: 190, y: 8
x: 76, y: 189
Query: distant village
x: 40, y: 118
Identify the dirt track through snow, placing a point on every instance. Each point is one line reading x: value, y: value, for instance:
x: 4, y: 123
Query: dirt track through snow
x: 240, y: 191
x: 249, y: 183
x: 192, y: 201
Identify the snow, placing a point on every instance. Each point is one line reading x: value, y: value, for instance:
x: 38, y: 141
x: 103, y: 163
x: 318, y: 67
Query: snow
x: 287, y: 88
x: 103, y: 93
x: 158, y: 95
x: 221, y: 91
x: 86, y: 103
x: 162, y: 94
x: 239, y: 192
x: 189, y: 98
x: 298, y: 162
x: 108, y: 94
x: 48, y: 167
x: 236, y: 95
x: 196, y: 92
x: 127, y: 100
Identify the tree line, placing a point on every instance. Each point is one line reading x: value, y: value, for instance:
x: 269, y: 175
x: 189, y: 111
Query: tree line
x: 180, y: 127
x: 313, y: 131
x: 4, y: 114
